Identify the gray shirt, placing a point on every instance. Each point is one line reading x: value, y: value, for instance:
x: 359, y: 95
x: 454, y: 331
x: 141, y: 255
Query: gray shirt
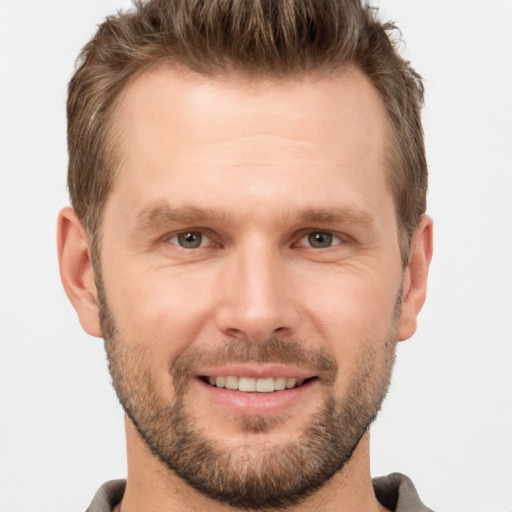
x: 395, y: 491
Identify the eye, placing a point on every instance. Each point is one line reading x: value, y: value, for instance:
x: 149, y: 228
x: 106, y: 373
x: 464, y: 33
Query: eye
x: 319, y: 240
x: 189, y: 239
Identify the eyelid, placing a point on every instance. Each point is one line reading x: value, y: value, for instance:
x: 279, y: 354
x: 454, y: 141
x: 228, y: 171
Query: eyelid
x: 205, y: 233
x: 211, y: 237
x: 342, y: 238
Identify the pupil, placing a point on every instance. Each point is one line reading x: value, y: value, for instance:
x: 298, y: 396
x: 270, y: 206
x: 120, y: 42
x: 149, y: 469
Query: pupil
x: 190, y: 240
x: 320, y: 239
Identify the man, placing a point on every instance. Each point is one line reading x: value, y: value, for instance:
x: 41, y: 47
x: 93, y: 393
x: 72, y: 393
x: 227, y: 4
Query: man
x: 248, y: 185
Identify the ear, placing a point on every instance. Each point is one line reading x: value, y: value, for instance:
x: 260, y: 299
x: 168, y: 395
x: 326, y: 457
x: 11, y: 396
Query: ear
x: 415, y: 278
x: 76, y: 270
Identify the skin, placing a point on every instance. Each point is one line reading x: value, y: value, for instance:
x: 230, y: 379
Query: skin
x: 270, y: 162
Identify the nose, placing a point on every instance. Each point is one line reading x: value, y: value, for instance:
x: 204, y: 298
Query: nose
x: 256, y: 299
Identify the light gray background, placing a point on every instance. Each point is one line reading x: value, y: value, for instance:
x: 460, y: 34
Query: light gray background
x: 448, y: 420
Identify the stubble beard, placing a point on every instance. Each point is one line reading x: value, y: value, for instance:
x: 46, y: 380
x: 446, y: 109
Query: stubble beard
x: 252, y: 475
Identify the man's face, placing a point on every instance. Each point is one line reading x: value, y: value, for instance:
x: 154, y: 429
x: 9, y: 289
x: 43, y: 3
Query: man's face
x: 250, y: 244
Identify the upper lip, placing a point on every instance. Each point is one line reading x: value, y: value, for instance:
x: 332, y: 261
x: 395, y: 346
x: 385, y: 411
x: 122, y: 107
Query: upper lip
x: 259, y: 371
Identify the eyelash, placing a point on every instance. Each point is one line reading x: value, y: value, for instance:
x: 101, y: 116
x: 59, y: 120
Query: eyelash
x: 202, y: 233
x: 336, y: 239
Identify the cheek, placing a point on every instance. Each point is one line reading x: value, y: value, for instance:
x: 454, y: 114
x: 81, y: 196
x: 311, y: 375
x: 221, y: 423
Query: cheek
x: 354, y: 317
x: 350, y: 302
x: 163, y: 310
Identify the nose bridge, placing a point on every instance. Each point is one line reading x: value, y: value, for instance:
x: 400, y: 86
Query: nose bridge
x: 255, y: 301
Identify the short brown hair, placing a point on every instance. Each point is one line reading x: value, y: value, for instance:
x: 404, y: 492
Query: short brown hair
x: 275, y: 38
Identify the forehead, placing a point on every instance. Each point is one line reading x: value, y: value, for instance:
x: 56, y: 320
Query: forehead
x: 315, y: 107
x: 258, y: 134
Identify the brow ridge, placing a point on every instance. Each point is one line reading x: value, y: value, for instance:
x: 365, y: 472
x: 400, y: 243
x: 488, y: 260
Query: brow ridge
x: 164, y: 213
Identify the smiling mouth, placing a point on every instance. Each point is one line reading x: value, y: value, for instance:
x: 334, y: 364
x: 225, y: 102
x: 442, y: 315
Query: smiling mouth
x: 253, y: 385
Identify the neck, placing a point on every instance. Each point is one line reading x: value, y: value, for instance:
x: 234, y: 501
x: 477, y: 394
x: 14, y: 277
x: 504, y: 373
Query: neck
x: 152, y: 487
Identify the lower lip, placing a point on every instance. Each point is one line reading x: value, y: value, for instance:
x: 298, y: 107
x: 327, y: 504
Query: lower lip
x: 258, y: 404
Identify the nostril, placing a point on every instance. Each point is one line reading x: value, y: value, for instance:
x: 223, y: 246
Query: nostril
x: 236, y: 333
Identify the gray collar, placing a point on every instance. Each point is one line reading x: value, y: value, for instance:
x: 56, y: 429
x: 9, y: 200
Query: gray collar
x: 395, y: 491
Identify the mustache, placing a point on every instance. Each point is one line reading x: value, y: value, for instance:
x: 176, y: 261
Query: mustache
x: 275, y: 350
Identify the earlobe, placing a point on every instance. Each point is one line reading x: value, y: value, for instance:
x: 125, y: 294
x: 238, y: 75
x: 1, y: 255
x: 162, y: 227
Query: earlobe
x: 415, y: 278
x: 76, y: 270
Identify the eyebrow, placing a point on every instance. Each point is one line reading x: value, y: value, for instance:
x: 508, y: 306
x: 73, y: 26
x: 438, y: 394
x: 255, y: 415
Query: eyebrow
x: 165, y: 214
x: 161, y: 214
x: 347, y: 214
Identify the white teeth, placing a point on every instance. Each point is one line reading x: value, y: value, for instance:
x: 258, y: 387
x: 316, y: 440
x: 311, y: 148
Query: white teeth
x: 246, y: 384
x: 265, y: 385
x: 231, y: 383
x: 280, y: 383
x: 250, y: 385
x: 290, y: 383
